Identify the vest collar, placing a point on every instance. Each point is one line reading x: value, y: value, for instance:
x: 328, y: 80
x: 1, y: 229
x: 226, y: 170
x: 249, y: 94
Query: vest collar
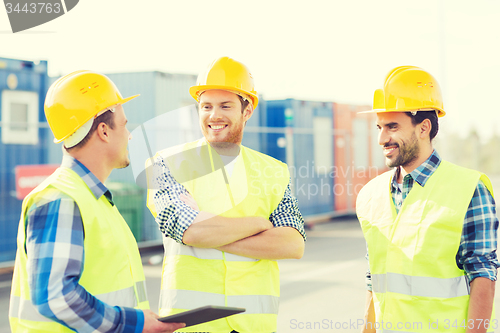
x: 96, y: 187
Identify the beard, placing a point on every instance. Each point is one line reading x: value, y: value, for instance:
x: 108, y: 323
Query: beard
x: 123, y: 164
x: 408, y: 152
x: 223, y: 145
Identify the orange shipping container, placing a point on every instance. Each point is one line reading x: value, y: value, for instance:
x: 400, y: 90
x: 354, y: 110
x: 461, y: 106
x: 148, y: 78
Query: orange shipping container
x: 357, y: 154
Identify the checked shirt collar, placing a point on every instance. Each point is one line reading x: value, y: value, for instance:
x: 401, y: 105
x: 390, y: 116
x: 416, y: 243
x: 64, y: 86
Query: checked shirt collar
x: 96, y: 187
x: 420, y: 175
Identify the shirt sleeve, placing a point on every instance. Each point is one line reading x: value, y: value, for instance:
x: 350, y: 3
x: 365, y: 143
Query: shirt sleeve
x: 477, y: 251
x: 55, y: 251
x: 174, y: 216
x: 287, y: 214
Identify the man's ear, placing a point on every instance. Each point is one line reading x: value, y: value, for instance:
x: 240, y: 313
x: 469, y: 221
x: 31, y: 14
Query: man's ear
x: 103, y: 132
x: 425, y: 129
x: 248, y: 112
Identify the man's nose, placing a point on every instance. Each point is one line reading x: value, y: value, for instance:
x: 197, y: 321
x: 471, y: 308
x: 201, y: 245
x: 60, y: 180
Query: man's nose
x: 216, y: 113
x: 383, y: 137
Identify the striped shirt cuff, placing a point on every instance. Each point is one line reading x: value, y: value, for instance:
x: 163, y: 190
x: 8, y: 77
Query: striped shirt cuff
x: 486, y: 270
x: 133, y: 320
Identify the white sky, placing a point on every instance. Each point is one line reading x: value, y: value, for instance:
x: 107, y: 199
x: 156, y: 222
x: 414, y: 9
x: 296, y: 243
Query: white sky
x: 336, y: 50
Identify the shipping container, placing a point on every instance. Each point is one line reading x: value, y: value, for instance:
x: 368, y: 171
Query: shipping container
x: 300, y: 133
x: 24, y: 138
x: 358, y: 156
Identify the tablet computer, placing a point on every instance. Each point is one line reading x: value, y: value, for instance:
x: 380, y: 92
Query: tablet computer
x: 201, y: 315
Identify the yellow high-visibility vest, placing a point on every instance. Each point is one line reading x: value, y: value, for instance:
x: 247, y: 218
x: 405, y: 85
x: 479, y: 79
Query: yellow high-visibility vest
x: 112, y: 269
x: 417, y: 286
x: 194, y: 277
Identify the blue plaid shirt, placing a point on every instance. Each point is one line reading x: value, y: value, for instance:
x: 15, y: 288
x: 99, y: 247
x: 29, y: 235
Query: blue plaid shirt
x: 174, y: 216
x: 477, y: 251
x: 54, y: 244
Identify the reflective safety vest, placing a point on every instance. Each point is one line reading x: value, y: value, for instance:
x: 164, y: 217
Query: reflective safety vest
x: 194, y: 277
x: 112, y: 269
x: 417, y: 286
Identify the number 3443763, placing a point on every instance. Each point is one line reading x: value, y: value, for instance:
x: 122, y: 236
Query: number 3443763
x: 33, y: 8
x: 471, y: 324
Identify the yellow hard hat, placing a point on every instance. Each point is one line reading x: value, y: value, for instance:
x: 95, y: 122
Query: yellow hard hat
x: 226, y: 74
x: 408, y: 89
x: 76, y: 98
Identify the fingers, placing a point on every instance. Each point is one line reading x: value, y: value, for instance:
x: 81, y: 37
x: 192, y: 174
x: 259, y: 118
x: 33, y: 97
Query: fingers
x: 170, y: 327
x: 184, y: 197
x: 153, y: 325
x: 188, y: 200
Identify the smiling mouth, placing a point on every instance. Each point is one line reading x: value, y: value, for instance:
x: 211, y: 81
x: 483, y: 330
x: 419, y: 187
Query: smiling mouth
x: 217, y: 127
x: 389, y: 150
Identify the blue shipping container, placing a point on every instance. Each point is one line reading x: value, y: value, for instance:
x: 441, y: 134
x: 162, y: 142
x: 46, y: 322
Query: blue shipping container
x: 24, y: 138
x: 305, y: 143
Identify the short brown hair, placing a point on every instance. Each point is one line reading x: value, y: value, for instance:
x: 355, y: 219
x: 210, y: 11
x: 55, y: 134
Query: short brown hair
x: 421, y: 116
x: 244, y: 103
x: 108, y: 117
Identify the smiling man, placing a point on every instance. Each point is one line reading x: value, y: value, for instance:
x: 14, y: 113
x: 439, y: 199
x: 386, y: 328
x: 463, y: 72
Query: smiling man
x: 226, y: 211
x: 430, y: 226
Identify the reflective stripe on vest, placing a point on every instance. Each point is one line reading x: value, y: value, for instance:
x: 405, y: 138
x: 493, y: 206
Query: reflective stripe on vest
x: 127, y: 296
x: 142, y: 295
x: 420, y: 285
x: 24, y: 309
x: 190, y: 299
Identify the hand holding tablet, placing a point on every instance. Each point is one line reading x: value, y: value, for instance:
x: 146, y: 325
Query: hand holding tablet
x: 201, y: 315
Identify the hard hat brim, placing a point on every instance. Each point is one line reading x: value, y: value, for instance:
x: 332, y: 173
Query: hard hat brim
x: 195, y: 90
x: 440, y: 112
x: 125, y: 100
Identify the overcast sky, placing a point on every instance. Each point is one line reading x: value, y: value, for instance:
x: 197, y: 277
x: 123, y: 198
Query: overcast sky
x: 315, y: 50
